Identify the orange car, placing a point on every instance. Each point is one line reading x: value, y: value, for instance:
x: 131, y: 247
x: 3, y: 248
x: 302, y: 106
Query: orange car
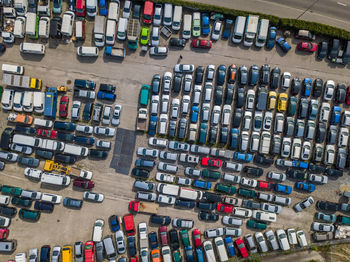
x: 232, y: 70
x: 24, y: 119
x: 156, y: 255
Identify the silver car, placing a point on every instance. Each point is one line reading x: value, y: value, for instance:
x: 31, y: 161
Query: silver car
x: 167, y: 79
x: 116, y: 115
x: 33, y: 255
x: 106, y: 117
x: 244, y: 141
x: 187, y: 83
x: 205, y: 114
x: 146, y: 196
x: 119, y: 239
x: 271, y: 208
x: 259, y: 237
x: 175, y: 106
x: 322, y: 227
x: 270, y: 237
x: 56, y: 253
x: 76, y: 110
x: 78, y: 252
x: 186, y: 99
x: 304, y: 204
x: 168, y: 156
x: 103, y: 144
x: 167, y: 167
x: 189, y: 171
x: 142, y: 151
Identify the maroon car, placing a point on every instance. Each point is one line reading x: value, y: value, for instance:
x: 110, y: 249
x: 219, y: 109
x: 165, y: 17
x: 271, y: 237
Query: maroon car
x: 86, y: 184
x: 163, y: 235
x: 64, y: 106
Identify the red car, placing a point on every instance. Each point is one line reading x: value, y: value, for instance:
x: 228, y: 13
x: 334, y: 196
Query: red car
x: 307, y: 47
x: 212, y: 162
x: 201, y: 43
x: 241, y: 247
x: 64, y: 106
x: 89, y: 250
x: 224, y: 208
x: 265, y: 185
x: 163, y: 235
x: 46, y: 133
x: 197, y: 237
x: 87, y: 184
x: 4, y: 233
x: 134, y: 259
x: 347, y: 100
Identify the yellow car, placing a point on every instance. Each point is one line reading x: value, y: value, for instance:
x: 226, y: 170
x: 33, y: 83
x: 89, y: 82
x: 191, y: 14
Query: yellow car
x: 35, y: 83
x: 282, y: 102
x: 272, y: 100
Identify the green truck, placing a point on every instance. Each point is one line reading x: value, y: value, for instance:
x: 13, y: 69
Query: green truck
x: 144, y: 96
x: 133, y: 32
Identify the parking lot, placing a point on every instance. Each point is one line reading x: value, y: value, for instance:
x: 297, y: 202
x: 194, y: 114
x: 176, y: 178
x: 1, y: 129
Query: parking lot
x: 60, y: 66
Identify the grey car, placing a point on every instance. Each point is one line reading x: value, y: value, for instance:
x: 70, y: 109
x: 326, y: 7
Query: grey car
x: 78, y: 251
x: 303, y: 108
x: 120, y: 241
x: 229, y: 94
x: 144, y: 185
x: 289, y: 128
x: 147, y: 196
x: 253, y: 75
x: 243, y: 75
x: 240, y: 97
x: 213, y: 134
x: 310, y: 129
x: 172, y: 128
x: 250, y: 204
x: 28, y: 161
x: 182, y: 128
x: 332, y: 135
x: 205, y: 114
x: 321, y: 132
x: 99, y: 251
x: 271, y: 239
x: 300, y: 128
x: 341, y: 158
x: 265, y: 75
x: 276, y: 145
x: 275, y: 78
x: 313, y: 109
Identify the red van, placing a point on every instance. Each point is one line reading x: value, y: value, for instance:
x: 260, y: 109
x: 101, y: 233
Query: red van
x: 148, y: 12
x: 80, y: 8
x: 129, y: 224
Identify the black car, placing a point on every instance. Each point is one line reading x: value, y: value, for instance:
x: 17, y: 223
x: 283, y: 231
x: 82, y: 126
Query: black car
x: 322, y: 50
x: 275, y: 78
x: 87, y: 111
x: 71, y: 5
x: 229, y: 94
x: 265, y: 75
x: 65, y: 158
x: 294, y: 174
x: 177, y: 42
x: 220, y: 75
x: 43, y: 154
x: 295, y: 88
x: 243, y: 75
x: 107, y: 88
x: 232, y: 74
x: 65, y: 137
x: 131, y: 244
x: 318, y: 85
x: 185, y: 203
x: 340, y: 94
x: 259, y: 159
x: 174, y: 239
x: 206, y: 205
x: 321, y: 132
x: 250, y: 204
x: 160, y: 220
x: 253, y: 75
x: 6, y: 137
x: 327, y: 206
x: 2, y: 47
x: 45, y: 253
x: 156, y: 84
x: 84, y: 140
x: 333, y: 48
x: 67, y: 126
x: 316, y: 168
x: 213, y: 134
x: 198, y: 75
x: 56, y: 23
x: 240, y: 97
x: 254, y: 171
x: 43, y: 206
x: 219, y: 90
x: 98, y: 154
x: 141, y: 173
x: 72, y: 202
x: 333, y: 172
x: 223, y: 135
x: 237, y: 118
x: 25, y: 130
x: 136, y: 12
x: 208, y: 216
x: 212, y: 197
x: 8, y: 211
x: 177, y: 83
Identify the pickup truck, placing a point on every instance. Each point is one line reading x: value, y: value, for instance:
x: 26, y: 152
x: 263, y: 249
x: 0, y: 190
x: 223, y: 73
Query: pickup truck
x: 117, y: 52
x: 142, y: 119
x: 137, y: 206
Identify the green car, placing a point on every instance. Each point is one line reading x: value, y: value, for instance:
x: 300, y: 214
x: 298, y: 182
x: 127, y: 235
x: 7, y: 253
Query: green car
x: 184, y: 237
x: 144, y: 36
x: 29, y: 214
x: 225, y: 189
x: 292, y: 106
x: 1, y: 91
x: 16, y: 201
x: 257, y: 225
x: 177, y: 256
x: 210, y: 174
x: 10, y: 190
x: 196, y: 24
x: 246, y: 193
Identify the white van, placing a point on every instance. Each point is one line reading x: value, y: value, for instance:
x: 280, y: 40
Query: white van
x: 30, y: 24
x: 190, y: 194
x: 38, y: 103
x: 7, y: 99
x: 91, y: 8
x: 238, y: 30
x: 32, y: 48
x: 87, y: 51
x: 55, y: 179
x: 110, y: 32
x: 18, y: 101
x: 186, y: 32
x: 113, y: 11
x: 264, y: 216
x: 221, y: 249
x: 28, y: 101
x: 98, y: 230
x: 79, y: 30
x: 172, y: 190
x: 251, y: 29
x: 26, y: 140
x: 67, y: 23
x: 44, y: 27
x: 19, y: 28
x: 43, y: 122
x: 261, y: 36
x: 168, y: 14
x: 177, y: 18
x: 122, y: 26
x: 76, y: 150
x: 13, y: 69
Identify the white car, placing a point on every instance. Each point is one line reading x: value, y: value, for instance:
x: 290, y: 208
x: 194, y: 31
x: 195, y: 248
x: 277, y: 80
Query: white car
x: 296, y: 148
x: 329, y: 155
x: 189, y: 171
x: 4, y: 221
x: 271, y: 208
x: 205, y: 112
x: 157, y: 142
x: 301, y: 238
x: 179, y: 146
x: 165, y: 104
x: 164, y: 199
x: 168, y: 156
x: 208, y: 92
x: 51, y: 198
x: 33, y: 173
x: 184, y: 181
x: 8, y: 156
x: 279, y: 123
x: 322, y: 227
x: 155, y: 36
x: 276, y: 176
x: 84, y: 129
x: 234, y: 179
x: 97, y: 232
x: 242, y: 212
x: 158, y: 51
x: 182, y: 223
x: 101, y: 130
x: 34, y: 195
x: 76, y: 110
x: 247, y: 119
x: 167, y: 79
x: 343, y: 137
x: 21, y: 149
x: 216, y: 30
x: 95, y: 197
x: 306, y: 151
x: 120, y: 242
x: 259, y: 237
x: 187, y: 85
x: 286, y: 80
x: 270, y: 237
x: 166, y: 253
x: 286, y: 146
x: 106, y: 116
x: 214, y: 232
x: 264, y: 216
x: 143, y: 151
x: 215, y: 118
x: 157, y: 18
x: 210, y: 72
x: 209, y: 251
x: 186, y: 100
x: 33, y: 255
x: 226, y: 114
x: 167, y: 167
x: 268, y: 118
x: 162, y: 177
x: 254, y: 142
x: 248, y: 182
x: 292, y: 237
x: 244, y: 141
x: 324, y: 112
x: 282, y: 239
x: 127, y: 9
x: 175, y: 108
x: 250, y: 101
x: 116, y: 115
x: 56, y: 253
x: 103, y: 144
x: 190, y: 159
x: 232, y: 221
x: 318, y: 179
x: 183, y: 68
x: 329, y: 90
x: 144, y: 254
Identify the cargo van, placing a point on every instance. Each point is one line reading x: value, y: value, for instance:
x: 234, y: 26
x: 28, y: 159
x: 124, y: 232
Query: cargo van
x: 177, y: 18
x: 31, y: 24
x: 110, y: 32
x: 27, y: 140
x: 79, y: 30
x: 261, y: 36
x: 113, y: 11
x: 13, y: 69
x: 55, y: 179
x: 109, y: 248
x: 168, y: 14
x: 28, y: 101
x: 17, y: 101
x: 238, y: 30
x: 186, y: 32
x: 8, y: 246
x: 76, y: 150
x: 67, y: 23
x: 44, y: 27
x: 190, y: 194
x: 19, y: 27
x: 172, y: 190
x: 250, y: 31
x: 7, y: 99
x: 38, y: 103
x: 122, y: 25
x: 87, y: 51
x: 32, y: 48
x: 43, y: 122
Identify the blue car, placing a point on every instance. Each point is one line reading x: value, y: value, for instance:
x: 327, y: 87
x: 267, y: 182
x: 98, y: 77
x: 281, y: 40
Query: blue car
x: 283, y: 189
x: 307, y: 84
x: 89, y: 141
x: 64, y: 126
x: 226, y: 32
x: 189, y: 254
x: 283, y: 44
x: 194, y: 114
x: 131, y: 242
x: 244, y: 157
x: 203, y: 131
x: 229, y: 246
x: 152, y: 127
x: 271, y: 38
x: 199, y: 253
x: 305, y: 186
x: 336, y: 115
x: 102, y: 7
x: 114, y: 223
x: 300, y: 164
x: 234, y: 138
x: 201, y: 184
x: 153, y: 241
x: 105, y: 96
x: 205, y: 24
